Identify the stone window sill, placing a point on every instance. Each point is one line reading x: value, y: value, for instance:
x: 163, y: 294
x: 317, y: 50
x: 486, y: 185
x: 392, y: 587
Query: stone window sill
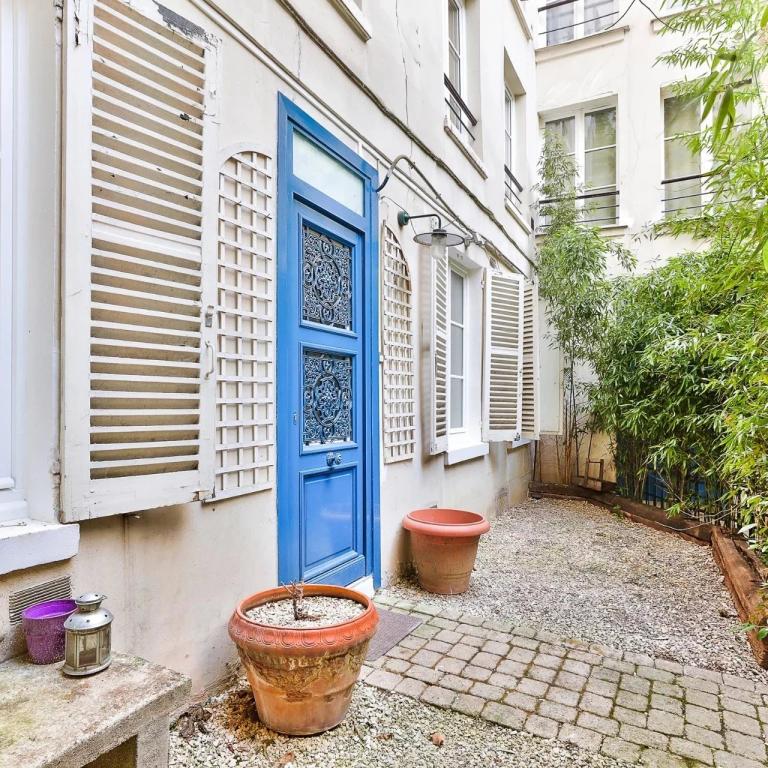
x: 25, y: 543
x: 457, y: 454
x: 466, y: 150
x: 357, y: 20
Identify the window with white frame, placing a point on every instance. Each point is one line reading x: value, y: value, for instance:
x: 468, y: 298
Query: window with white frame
x: 7, y: 401
x: 565, y: 20
x: 682, y: 187
x: 589, y: 136
x: 513, y: 190
x: 457, y: 352
x: 460, y: 118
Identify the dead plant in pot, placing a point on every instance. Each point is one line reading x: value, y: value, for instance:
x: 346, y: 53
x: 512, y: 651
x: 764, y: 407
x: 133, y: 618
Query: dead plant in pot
x: 302, y: 647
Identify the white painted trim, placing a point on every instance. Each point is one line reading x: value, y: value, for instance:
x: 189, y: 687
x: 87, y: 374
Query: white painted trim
x: 354, y: 16
x: 25, y: 543
x: 465, y: 453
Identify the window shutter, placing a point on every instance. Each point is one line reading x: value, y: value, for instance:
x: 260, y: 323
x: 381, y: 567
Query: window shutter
x: 397, y: 327
x: 503, y: 358
x: 437, y: 361
x: 245, y: 377
x: 138, y: 300
x: 530, y: 396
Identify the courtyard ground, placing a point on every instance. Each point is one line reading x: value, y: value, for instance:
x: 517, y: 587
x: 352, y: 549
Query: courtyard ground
x: 584, y: 640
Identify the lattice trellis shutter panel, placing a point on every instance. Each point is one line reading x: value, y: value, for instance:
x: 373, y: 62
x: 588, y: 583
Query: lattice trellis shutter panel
x: 502, y: 363
x: 245, y: 384
x: 530, y: 396
x: 439, y: 350
x: 399, y: 380
x: 138, y: 386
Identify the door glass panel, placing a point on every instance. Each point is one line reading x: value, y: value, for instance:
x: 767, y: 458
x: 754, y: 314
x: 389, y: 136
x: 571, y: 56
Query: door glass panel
x: 326, y: 173
x: 326, y: 280
x: 327, y: 398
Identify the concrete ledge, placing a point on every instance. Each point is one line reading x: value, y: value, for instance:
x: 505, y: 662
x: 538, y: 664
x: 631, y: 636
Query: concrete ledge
x: 49, y: 720
x: 25, y: 543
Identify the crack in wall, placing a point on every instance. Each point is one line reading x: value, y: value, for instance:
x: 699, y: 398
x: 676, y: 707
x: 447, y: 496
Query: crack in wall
x: 402, y: 54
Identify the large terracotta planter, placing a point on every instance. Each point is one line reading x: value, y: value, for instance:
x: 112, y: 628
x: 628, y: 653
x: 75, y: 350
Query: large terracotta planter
x: 444, y: 546
x: 302, y: 679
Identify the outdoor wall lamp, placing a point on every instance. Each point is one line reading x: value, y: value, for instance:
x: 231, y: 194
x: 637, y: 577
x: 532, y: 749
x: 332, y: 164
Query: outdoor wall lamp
x: 437, y: 236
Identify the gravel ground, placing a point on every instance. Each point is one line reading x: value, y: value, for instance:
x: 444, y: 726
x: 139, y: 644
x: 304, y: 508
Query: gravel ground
x: 579, y: 571
x: 321, y: 611
x: 381, y: 729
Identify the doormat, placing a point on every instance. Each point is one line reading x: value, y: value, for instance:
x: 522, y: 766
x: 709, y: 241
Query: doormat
x: 393, y: 627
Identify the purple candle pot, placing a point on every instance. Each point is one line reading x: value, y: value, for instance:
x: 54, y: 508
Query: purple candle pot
x: 44, y: 629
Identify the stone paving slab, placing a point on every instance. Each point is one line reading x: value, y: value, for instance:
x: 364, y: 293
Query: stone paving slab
x: 629, y: 706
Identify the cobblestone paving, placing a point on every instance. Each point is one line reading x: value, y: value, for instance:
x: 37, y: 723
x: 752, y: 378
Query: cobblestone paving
x: 625, y: 705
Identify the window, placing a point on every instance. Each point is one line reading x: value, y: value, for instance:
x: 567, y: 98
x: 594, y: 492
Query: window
x: 7, y: 480
x: 564, y: 20
x: 590, y: 138
x: 458, y: 390
x: 600, y: 202
x: 460, y: 117
x: 512, y: 187
x: 682, y: 166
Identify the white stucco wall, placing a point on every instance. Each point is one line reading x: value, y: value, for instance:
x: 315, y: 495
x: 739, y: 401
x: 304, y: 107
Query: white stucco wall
x: 173, y: 575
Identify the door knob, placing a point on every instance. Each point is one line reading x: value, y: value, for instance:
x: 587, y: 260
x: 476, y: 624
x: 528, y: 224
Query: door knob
x: 332, y: 459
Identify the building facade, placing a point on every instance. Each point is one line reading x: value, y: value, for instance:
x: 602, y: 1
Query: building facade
x: 226, y: 361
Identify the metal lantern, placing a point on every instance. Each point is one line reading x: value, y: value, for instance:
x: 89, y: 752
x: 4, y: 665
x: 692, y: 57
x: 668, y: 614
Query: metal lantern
x: 88, y: 637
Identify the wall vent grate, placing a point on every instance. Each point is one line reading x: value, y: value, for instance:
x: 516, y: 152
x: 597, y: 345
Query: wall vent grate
x: 57, y: 589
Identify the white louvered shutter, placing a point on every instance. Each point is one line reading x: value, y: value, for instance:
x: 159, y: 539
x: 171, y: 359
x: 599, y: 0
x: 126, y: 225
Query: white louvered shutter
x: 140, y: 185
x: 245, y: 375
x: 530, y: 395
x: 399, y: 411
x: 503, y: 358
x: 438, y: 360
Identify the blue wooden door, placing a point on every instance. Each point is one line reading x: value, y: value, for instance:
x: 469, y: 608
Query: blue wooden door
x: 326, y: 357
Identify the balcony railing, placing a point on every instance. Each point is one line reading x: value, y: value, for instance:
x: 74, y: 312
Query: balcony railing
x: 597, y: 208
x: 460, y: 114
x: 513, y: 190
x: 565, y: 20
x: 683, y: 195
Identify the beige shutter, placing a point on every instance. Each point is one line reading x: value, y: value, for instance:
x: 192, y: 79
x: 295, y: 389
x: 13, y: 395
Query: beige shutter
x: 399, y: 411
x: 502, y: 361
x: 437, y: 361
x: 530, y: 395
x: 138, y: 301
x: 245, y: 355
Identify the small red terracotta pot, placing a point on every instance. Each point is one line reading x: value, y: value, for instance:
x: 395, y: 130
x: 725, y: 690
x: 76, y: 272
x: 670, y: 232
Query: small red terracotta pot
x: 444, y: 546
x: 302, y: 679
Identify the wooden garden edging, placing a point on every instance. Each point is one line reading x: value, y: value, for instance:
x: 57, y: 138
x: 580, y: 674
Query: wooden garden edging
x: 744, y: 585
x: 740, y: 576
